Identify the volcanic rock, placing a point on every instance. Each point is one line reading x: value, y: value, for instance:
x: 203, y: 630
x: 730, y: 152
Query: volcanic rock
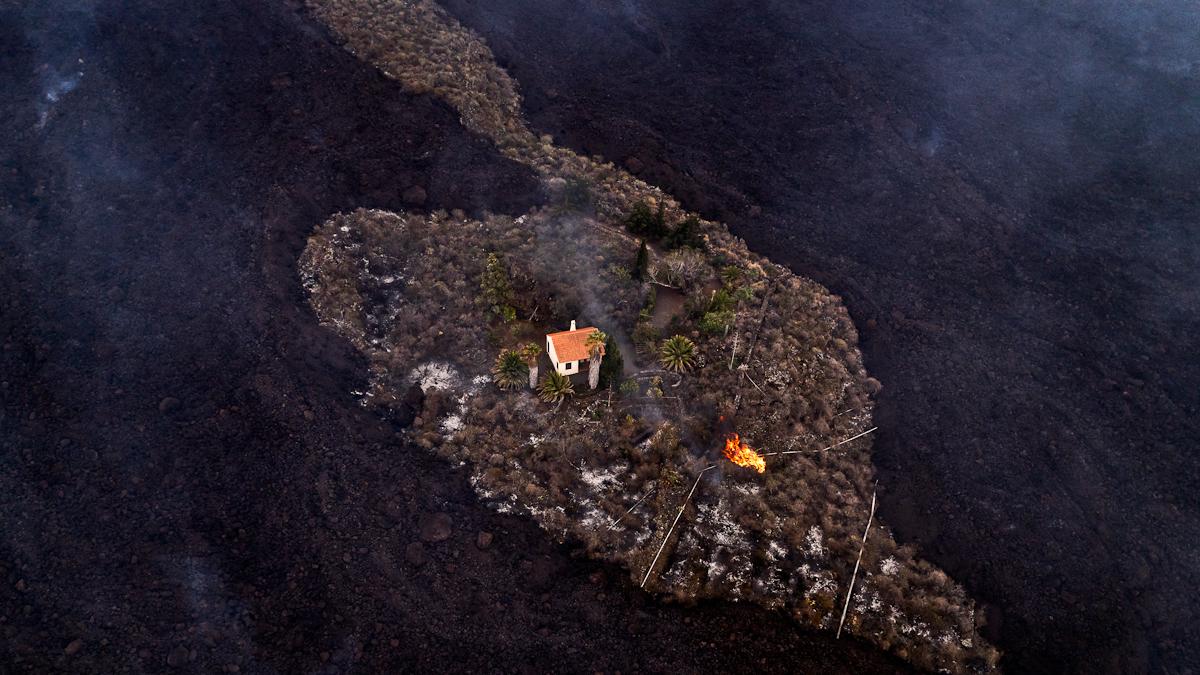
x: 414, y: 195
x: 414, y: 553
x: 436, y: 527
x: 484, y: 540
x: 178, y: 656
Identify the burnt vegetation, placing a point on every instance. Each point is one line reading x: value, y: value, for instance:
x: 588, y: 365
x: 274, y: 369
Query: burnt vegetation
x: 713, y: 333
x: 772, y: 355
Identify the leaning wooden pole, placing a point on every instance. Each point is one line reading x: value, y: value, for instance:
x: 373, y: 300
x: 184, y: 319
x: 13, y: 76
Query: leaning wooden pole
x: 850, y: 590
x: 673, y: 524
x: 842, y: 442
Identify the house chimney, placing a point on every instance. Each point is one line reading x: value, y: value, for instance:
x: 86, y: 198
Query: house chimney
x: 572, y: 324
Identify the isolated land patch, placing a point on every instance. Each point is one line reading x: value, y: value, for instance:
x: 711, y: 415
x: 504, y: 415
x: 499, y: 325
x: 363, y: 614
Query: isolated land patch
x: 772, y: 356
x: 612, y: 467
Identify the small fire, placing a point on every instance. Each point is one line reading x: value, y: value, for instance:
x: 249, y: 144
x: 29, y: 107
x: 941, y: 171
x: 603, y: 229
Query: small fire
x: 740, y: 453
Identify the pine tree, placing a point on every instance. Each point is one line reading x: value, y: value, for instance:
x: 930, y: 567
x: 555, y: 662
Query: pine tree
x: 497, y: 292
x: 613, y: 366
x: 642, y: 264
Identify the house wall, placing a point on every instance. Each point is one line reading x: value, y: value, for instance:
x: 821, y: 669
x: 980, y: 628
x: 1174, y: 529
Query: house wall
x: 568, y: 368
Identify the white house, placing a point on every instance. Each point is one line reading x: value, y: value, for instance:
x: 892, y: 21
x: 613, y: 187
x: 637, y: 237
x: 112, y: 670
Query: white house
x: 568, y: 349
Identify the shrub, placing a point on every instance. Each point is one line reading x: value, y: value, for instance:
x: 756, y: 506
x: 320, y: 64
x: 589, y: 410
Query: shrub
x: 686, y: 233
x: 646, y: 223
x: 716, y: 322
x: 684, y: 268
x: 645, y: 335
x: 721, y: 301
x: 577, y: 195
x: 621, y: 272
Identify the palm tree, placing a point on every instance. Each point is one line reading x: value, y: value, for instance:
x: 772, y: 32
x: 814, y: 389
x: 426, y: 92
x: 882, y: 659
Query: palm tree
x: 529, y: 354
x: 677, y: 353
x: 556, y: 388
x: 595, y: 346
x: 509, y: 370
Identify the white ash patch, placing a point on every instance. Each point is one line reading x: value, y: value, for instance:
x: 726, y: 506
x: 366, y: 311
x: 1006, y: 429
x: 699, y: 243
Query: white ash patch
x: 536, y: 440
x: 739, y: 574
x: 814, y: 546
x: 717, y: 524
x: 866, y: 599
x: 816, y: 580
x: 594, y: 519
x: 551, y: 519
x: 779, y: 378
x: 485, y: 493
x: 916, y: 629
x: 949, y: 637
x: 747, y: 489
x: 714, y: 568
x: 435, y: 375
x: 889, y: 566
x: 641, y: 536
x: 480, y: 380
x: 452, y: 424
x: 598, y: 479
x: 725, y: 539
x: 776, y: 551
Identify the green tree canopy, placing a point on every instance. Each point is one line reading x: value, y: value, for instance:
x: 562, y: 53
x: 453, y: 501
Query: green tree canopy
x: 495, y: 288
x: 613, y: 364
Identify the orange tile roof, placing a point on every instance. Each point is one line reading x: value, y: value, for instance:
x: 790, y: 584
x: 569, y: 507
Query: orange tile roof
x: 571, y: 345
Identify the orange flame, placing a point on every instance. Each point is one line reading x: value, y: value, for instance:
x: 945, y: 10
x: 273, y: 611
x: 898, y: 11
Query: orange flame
x: 740, y: 453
